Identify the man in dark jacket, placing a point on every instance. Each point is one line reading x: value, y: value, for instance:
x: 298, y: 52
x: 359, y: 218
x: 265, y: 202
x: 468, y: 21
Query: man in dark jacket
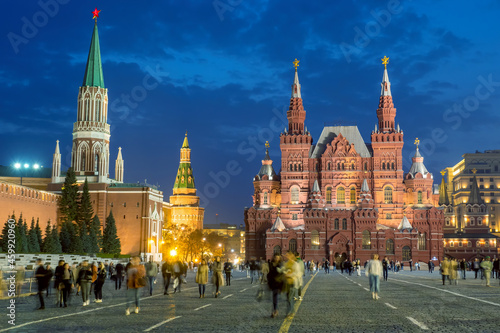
x: 59, y: 271
x: 228, y: 268
x: 41, y: 277
x: 166, y: 272
x: 119, y: 276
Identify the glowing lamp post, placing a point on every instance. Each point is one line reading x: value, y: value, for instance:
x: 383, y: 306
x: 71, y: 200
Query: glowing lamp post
x: 26, y: 167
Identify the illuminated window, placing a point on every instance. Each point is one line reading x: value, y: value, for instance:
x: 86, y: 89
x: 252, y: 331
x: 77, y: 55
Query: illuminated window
x: 388, y: 195
x: 344, y: 224
x: 478, y: 244
x: 292, y: 245
x: 315, y: 240
x: 265, y: 198
x: 421, y: 241
x: 328, y: 195
x: 406, y: 253
x: 451, y: 244
x: 469, y: 244
x: 479, y: 221
x: 472, y: 221
x: 447, y: 221
x: 353, y: 195
x: 277, y: 250
x: 389, y: 246
x: 336, y: 224
x: 295, y: 195
x: 419, y: 197
x: 340, y: 195
x: 294, y: 216
x: 366, y: 240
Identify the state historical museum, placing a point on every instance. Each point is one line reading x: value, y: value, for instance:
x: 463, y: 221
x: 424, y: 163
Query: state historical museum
x: 343, y: 197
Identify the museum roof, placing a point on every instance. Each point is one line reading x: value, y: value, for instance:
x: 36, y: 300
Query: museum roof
x: 351, y: 133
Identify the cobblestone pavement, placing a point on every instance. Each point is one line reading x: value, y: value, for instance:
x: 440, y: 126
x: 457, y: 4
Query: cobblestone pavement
x: 410, y: 302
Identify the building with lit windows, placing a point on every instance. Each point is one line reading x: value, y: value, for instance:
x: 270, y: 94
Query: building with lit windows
x: 470, y: 197
x: 343, y: 197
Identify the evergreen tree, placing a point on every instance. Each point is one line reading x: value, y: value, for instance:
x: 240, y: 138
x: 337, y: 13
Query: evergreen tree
x: 21, y: 238
x: 66, y: 236
x: 38, y: 232
x: 85, y: 239
x: 68, y: 205
x: 5, y: 237
x: 34, y: 246
x: 110, y: 241
x: 26, y: 234
x: 56, y: 244
x: 47, y: 241
x: 76, y: 245
x: 95, y: 235
x: 85, y: 210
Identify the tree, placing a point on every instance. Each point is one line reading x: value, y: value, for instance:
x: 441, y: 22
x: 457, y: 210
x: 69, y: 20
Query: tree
x: 95, y: 235
x: 21, y: 238
x: 66, y: 236
x: 68, y: 205
x: 110, y: 241
x: 76, y: 245
x: 84, y: 237
x: 34, y: 246
x: 5, y: 235
x: 56, y: 244
x: 38, y: 232
x: 48, y: 243
x: 85, y: 210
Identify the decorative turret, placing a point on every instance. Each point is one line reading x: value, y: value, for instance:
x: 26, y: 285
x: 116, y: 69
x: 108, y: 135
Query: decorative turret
x: 443, y: 193
x: 278, y: 225
x: 56, y: 164
x: 185, y: 178
x: 266, y: 184
x: 266, y: 171
x: 475, y: 195
x: 316, y: 200
x: 365, y: 198
x: 296, y: 114
x: 405, y: 224
x: 418, y: 166
x: 119, y: 167
x: 386, y: 111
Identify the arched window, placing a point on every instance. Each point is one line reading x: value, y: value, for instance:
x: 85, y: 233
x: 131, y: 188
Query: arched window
x: 295, y: 167
x: 383, y: 165
x: 392, y: 166
x: 265, y: 198
x: 300, y: 167
x: 340, y: 195
x: 472, y: 221
x: 295, y: 195
x: 406, y: 253
x: 329, y: 166
x: 353, y: 195
x: 469, y: 244
x: 328, y: 195
x: 479, y: 221
x: 353, y: 166
x: 315, y: 240
x: 84, y: 159
x: 422, y: 241
x: 277, y: 250
x: 419, y: 197
x: 96, y: 163
x: 98, y: 110
x: 291, y: 167
x: 366, y: 166
x: 336, y: 224
x: 344, y: 224
x: 389, y: 246
x: 366, y: 240
x: 292, y: 245
x: 343, y: 166
x: 388, y: 195
x: 338, y: 166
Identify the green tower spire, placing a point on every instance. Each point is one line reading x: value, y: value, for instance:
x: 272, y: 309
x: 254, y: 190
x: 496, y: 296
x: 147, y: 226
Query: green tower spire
x: 185, y: 177
x: 93, y: 72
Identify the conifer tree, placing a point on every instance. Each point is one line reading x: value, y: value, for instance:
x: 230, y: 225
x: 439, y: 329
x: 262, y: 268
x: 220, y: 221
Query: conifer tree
x: 66, y: 236
x: 56, y: 244
x: 85, y: 210
x: 85, y: 239
x: 68, y: 205
x: 95, y: 235
x: 47, y: 241
x: 38, y: 232
x: 21, y: 238
x: 34, y: 246
x: 110, y: 241
x: 5, y: 237
x: 76, y: 245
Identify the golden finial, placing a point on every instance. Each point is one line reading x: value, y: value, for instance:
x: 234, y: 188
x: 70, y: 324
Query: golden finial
x: 267, y: 144
x: 385, y: 61
x: 443, y: 172
x: 186, y: 133
x: 474, y: 171
x: 296, y: 64
x: 417, y: 142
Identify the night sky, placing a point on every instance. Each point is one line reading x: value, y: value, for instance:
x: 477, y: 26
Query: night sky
x: 222, y: 70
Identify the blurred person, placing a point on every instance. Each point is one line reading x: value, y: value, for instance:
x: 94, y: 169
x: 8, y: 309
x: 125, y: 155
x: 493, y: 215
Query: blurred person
x: 101, y: 278
x: 217, y: 275
x: 275, y: 282
x: 41, y: 277
x: 68, y: 283
x: 373, y: 272
x: 202, y: 277
x: 487, y: 266
x: 84, y: 280
x: 228, y: 268
x: 166, y: 272
x: 151, y: 272
x: 136, y: 274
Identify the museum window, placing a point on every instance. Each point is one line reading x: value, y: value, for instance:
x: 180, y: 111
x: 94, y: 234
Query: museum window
x: 344, y: 224
x: 137, y: 204
x: 329, y: 166
x: 471, y: 221
x: 315, y: 240
x: 137, y: 217
x: 460, y: 244
x: 336, y: 224
x: 341, y: 195
x: 265, y: 198
x: 479, y: 221
x: 124, y: 217
x: 300, y: 167
x: 111, y: 204
x: 292, y: 245
x: 392, y: 166
x: 295, y: 195
x: 447, y: 221
x: 422, y: 241
x: 277, y: 250
x: 366, y: 240
x: 478, y: 244
x: 389, y: 246
x: 452, y: 244
x: 328, y: 195
x: 388, y: 195
x: 383, y: 166
x: 419, y: 197
x: 291, y: 167
x: 388, y: 216
x: 294, y: 217
x: 469, y: 244
x: 295, y: 167
x: 353, y: 195
x: 406, y: 253
x: 353, y: 166
x: 366, y: 166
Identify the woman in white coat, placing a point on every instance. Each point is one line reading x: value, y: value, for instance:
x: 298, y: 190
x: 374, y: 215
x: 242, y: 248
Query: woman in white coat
x: 374, y: 271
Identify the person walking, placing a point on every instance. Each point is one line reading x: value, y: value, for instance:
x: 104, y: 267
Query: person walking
x: 202, y: 277
x: 151, y: 272
x: 463, y: 267
x: 136, y: 273
x: 291, y: 271
x: 264, y: 269
x: 454, y: 271
x: 166, y: 272
x: 68, y: 283
x: 41, y: 277
x: 119, y: 276
x: 217, y: 275
x: 373, y: 272
x: 275, y: 282
x: 84, y: 280
x: 228, y: 268
x: 50, y: 273
x: 178, y: 270
x: 445, y: 270
x: 58, y: 282
x: 476, y: 267
x: 101, y: 278
x: 385, y: 268
x: 487, y: 266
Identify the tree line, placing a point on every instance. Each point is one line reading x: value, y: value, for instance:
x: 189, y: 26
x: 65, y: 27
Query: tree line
x: 79, y: 232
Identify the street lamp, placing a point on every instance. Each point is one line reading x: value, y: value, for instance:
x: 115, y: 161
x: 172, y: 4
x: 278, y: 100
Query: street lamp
x: 19, y: 167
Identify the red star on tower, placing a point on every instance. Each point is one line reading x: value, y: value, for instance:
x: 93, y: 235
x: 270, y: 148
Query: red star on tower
x: 95, y: 13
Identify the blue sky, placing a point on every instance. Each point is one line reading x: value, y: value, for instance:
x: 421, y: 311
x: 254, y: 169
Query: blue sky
x: 222, y: 70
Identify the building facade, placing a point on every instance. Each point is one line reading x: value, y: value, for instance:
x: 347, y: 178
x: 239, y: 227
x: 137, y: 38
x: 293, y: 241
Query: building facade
x: 344, y: 198
x: 470, y: 198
